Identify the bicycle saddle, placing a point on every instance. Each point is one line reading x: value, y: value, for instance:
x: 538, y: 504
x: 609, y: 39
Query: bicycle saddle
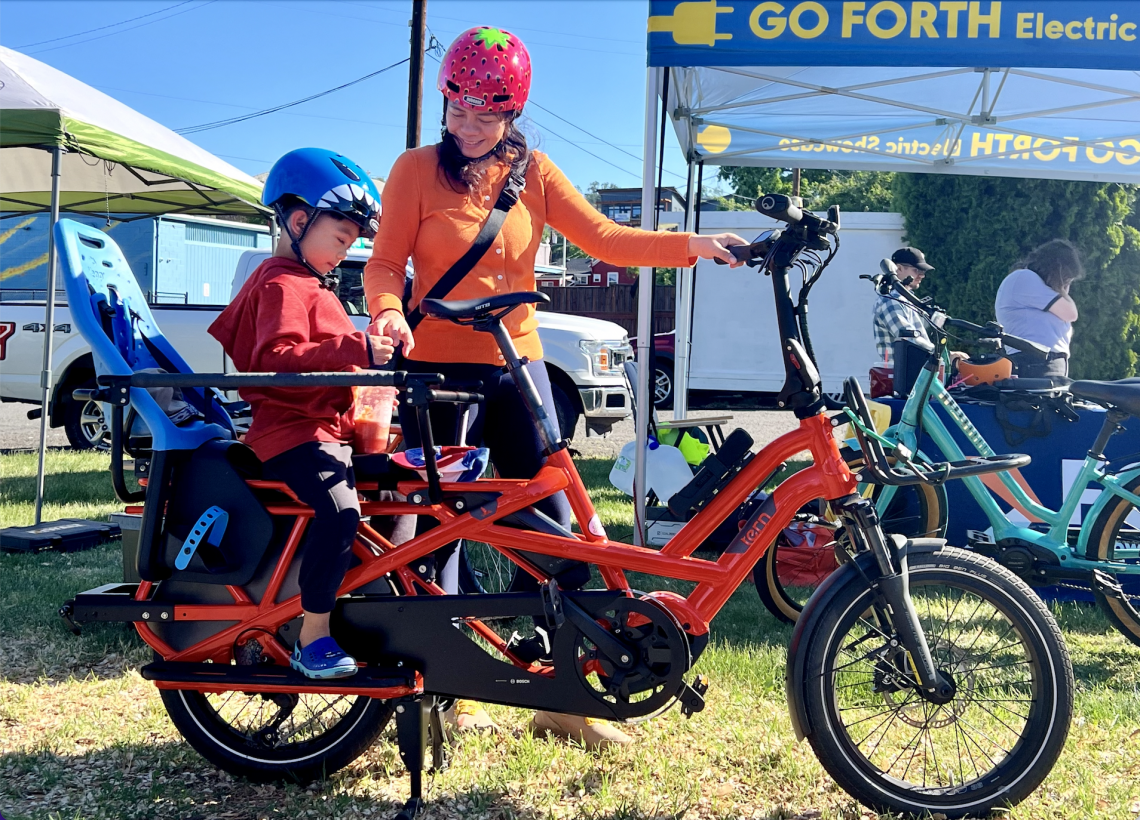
x: 470, y: 308
x: 1123, y: 394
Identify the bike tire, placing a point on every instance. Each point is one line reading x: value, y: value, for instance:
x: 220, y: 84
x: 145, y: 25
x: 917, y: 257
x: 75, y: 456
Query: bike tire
x: 199, y: 720
x: 1010, y: 747
x: 915, y: 512
x: 1111, y: 529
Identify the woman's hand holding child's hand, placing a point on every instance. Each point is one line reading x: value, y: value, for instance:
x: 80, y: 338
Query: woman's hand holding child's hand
x: 391, y: 324
x: 715, y: 247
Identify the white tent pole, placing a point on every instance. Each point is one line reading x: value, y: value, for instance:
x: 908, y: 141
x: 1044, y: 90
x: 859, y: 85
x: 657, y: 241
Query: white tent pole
x: 683, y: 329
x: 643, y: 398
x: 49, y: 332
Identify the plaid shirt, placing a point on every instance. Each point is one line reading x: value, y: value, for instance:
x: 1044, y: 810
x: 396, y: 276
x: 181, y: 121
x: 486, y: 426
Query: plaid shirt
x: 891, y: 318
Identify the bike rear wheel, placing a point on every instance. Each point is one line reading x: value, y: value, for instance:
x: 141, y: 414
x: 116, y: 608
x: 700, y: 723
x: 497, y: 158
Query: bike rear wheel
x: 267, y: 737
x: 992, y: 744
x: 790, y: 574
x: 1115, y: 536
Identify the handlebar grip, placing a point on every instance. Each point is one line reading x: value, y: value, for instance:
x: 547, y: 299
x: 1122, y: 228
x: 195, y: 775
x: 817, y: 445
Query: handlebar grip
x: 85, y: 394
x: 743, y: 253
x: 1031, y: 350
x: 780, y: 207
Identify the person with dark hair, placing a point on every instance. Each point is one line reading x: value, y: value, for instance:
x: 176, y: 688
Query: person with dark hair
x: 1033, y: 302
x: 436, y: 200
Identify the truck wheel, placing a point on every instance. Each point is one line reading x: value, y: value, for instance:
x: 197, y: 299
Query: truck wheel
x: 85, y: 424
x: 663, y: 385
x: 567, y: 413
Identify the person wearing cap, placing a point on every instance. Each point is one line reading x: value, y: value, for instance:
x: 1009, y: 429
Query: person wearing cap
x: 892, y: 317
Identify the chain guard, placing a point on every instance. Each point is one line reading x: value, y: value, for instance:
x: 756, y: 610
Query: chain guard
x: 658, y: 645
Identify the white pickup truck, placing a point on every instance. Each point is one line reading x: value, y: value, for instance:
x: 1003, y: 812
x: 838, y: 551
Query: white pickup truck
x: 584, y: 356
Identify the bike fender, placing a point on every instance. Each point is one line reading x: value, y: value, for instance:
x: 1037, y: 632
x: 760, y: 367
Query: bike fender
x: 796, y: 670
x: 1126, y: 475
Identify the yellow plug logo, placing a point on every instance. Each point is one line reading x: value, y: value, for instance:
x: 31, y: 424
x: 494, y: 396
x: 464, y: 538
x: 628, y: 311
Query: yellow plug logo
x: 692, y: 23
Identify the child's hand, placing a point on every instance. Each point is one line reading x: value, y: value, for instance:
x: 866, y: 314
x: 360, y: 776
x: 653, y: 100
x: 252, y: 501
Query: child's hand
x: 382, y: 349
x: 392, y: 323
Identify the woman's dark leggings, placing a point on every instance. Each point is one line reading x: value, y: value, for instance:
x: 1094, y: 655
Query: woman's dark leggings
x: 320, y: 473
x: 501, y: 423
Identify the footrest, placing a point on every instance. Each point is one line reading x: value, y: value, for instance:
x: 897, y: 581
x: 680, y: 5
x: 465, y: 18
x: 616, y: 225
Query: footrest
x: 376, y: 682
x: 116, y: 603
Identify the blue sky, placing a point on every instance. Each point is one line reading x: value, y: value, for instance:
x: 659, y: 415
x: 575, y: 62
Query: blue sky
x: 204, y: 60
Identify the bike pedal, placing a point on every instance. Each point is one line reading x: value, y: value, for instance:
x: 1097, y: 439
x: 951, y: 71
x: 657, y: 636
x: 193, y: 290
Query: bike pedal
x: 1106, y: 585
x: 693, y: 695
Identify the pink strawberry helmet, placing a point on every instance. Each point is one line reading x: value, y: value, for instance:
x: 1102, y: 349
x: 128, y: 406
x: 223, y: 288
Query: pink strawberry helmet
x: 486, y: 69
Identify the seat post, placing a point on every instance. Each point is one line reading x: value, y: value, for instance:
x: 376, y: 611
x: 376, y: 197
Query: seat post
x: 547, y: 432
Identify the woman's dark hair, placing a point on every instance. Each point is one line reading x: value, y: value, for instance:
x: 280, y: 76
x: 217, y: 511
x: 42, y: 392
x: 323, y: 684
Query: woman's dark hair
x: 455, y: 169
x: 1057, y: 262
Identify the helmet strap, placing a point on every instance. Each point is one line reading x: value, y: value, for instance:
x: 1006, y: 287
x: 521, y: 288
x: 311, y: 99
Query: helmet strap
x: 327, y: 281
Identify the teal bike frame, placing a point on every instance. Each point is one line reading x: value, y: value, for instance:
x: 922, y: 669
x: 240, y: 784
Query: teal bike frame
x: 1074, y: 559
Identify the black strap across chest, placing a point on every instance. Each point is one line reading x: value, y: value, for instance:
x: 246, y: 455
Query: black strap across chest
x: 516, y: 182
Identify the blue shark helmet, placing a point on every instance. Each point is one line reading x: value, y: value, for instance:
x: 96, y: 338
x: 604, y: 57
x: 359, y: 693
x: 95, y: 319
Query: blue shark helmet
x: 326, y: 181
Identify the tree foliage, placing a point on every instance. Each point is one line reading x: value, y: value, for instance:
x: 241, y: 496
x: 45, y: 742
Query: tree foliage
x: 975, y: 229
x: 850, y: 190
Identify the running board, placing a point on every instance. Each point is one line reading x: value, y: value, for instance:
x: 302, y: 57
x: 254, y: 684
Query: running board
x: 374, y: 682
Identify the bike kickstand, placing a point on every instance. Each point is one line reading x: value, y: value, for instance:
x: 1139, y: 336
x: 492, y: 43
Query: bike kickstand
x: 412, y: 716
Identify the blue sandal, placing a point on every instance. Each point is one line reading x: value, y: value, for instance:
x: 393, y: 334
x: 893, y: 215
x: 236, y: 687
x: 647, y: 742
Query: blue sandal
x: 322, y: 659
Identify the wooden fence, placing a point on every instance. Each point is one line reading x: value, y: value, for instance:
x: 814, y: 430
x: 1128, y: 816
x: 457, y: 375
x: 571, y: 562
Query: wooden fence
x: 617, y: 304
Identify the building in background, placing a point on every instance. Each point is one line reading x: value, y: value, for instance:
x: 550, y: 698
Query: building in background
x: 177, y: 260
x: 623, y: 205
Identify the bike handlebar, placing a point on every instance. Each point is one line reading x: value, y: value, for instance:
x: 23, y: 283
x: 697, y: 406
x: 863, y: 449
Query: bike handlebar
x: 888, y: 282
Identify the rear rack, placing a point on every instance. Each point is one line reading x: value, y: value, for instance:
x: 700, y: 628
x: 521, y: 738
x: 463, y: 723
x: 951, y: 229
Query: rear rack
x: 880, y: 470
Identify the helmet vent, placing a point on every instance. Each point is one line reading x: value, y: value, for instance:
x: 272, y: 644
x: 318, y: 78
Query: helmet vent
x: 344, y: 169
x: 501, y: 98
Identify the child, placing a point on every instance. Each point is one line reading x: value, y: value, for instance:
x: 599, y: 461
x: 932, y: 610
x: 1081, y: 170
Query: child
x: 287, y: 318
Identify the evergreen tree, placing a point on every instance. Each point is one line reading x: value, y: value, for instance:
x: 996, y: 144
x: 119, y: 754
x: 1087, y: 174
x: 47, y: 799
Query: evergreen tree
x: 974, y: 230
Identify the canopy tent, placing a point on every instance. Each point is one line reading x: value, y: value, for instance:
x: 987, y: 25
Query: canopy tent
x: 64, y: 145
x: 887, y: 86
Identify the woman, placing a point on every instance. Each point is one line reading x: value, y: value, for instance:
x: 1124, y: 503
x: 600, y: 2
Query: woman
x: 1033, y: 302
x: 435, y: 200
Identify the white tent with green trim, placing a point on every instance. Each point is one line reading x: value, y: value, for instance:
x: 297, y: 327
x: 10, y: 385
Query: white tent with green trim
x: 116, y: 160
x: 66, y: 147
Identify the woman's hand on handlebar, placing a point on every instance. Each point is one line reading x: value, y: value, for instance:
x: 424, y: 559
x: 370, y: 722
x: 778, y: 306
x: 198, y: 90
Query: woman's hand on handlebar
x: 715, y: 247
x: 391, y: 323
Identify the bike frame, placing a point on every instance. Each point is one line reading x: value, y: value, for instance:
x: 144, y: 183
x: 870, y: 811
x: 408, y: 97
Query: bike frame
x: 716, y: 580
x: 1056, y: 538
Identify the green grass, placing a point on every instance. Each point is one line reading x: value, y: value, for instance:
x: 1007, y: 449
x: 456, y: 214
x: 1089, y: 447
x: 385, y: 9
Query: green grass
x: 83, y: 736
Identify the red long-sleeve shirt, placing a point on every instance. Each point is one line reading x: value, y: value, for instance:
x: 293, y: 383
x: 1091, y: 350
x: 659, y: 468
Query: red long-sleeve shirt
x: 283, y: 321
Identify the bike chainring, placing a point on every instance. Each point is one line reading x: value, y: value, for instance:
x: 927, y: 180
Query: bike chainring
x: 657, y: 644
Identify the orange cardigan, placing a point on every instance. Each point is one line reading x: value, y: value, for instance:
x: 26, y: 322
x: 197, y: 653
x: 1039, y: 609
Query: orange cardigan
x: 426, y: 220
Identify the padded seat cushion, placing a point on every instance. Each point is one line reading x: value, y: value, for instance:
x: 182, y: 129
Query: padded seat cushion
x: 1123, y: 394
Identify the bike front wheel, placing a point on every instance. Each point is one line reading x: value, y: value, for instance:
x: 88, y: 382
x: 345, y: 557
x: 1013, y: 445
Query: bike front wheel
x: 895, y: 750
x: 1115, y: 536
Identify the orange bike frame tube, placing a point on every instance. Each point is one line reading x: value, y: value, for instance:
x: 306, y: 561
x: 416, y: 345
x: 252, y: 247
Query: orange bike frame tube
x: 828, y: 477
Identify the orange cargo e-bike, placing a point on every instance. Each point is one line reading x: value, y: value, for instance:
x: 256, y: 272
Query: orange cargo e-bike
x: 927, y: 679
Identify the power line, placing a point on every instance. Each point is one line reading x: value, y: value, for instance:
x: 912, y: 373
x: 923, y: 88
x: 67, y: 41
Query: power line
x: 122, y: 31
x: 209, y: 126
x: 580, y: 148
x: 109, y: 25
x: 595, y: 136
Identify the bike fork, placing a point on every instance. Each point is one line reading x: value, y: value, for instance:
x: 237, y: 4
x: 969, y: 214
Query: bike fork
x: 894, y: 607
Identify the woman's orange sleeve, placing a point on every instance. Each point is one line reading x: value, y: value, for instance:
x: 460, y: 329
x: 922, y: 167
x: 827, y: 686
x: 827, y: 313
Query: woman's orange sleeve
x: 568, y: 212
x: 399, y: 225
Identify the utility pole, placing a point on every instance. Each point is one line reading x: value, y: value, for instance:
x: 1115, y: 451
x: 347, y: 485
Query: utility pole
x: 795, y: 182
x: 416, y: 73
